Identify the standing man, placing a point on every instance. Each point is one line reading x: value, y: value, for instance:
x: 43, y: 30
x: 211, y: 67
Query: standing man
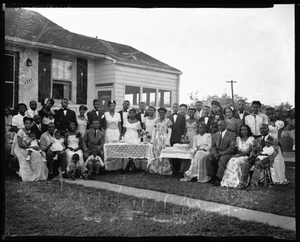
x: 46, y: 143
x: 96, y: 114
x: 183, y: 110
x: 142, y: 114
x: 256, y: 119
x: 178, y: 129
x: 64, y: 116
x: 124, y: 114
x: 222, y: 149
x: 241, y: 114
x: 206, y: 116
x: 199, y: 111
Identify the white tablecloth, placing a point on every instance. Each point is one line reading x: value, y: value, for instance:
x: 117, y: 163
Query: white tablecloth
x: 125, y: 150
x: 177, y: 153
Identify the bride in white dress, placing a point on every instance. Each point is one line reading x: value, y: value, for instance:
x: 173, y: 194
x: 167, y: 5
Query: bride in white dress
x: 132, y: 127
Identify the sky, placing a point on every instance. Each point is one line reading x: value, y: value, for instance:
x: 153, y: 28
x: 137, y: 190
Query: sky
x: 252, y: 46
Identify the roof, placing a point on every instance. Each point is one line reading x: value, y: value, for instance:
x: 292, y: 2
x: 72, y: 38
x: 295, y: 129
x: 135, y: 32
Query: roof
x: 32, y: 26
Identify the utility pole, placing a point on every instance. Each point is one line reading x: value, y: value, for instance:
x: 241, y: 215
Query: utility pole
x: 232, y: 91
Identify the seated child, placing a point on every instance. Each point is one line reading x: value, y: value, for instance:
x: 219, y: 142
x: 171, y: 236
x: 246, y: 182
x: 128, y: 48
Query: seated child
x: 57, y: 144
x: 33, y: 141
x: 76, y: 170
x: 267, y: 150
x: 94, y: 162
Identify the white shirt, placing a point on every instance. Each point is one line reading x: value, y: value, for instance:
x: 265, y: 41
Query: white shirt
x: 223, y: 133
x: 175, y: 117
x: 199, y: 114
x: 206, y: 119
x: 30, y: 113
x: 255, y: 121
x: 125, y: 116
x: 241, y: 115
x: 17, y: 120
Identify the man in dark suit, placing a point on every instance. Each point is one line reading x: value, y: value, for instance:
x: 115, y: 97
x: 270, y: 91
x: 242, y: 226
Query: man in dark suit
x: 141, y: 114
x: 206, y: 116
x: 37, y: 126
x: 124, y: 113
x: 241, y: 113
x: 223, y: 146
x: 64, y: 116
x: 96, y: 114
x: 178, y: 129
x: 93, y: 138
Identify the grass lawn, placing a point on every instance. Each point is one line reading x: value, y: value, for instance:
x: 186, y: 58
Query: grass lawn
x: 44, y: 209
x: 277, y: 199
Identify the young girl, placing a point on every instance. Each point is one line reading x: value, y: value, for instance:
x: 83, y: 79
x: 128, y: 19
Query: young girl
x: 57, y: 144
x: 267, y: 150
x: 33, y: 141
x: 76, y: 170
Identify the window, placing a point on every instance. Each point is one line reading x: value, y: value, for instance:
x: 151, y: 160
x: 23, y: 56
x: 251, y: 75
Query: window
x: 62, y: 79
x: 164, y: 98
x: 9, y: 80
x: 132, y: 94
x: 61, y: 89
x: 149, y: 96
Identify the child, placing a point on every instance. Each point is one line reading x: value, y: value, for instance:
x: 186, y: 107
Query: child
x: 75, y: 170
x: 33, y: 141
x: 31, y: 111
x: 57, y: 144
x: 94, y: 161
x: 267, y: 150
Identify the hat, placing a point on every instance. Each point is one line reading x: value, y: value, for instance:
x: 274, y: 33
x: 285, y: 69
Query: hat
x: 256, y: 102
x: 270, y: 139
x: 162, y: 109
x: 214, y: 102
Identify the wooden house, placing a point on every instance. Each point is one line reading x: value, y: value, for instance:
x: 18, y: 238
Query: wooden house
x: 44, y: 60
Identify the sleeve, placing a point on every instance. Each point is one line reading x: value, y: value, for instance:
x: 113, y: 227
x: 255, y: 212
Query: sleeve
x: 14, y: 121
x: 213, y: 145
x: 169, y: 136
x: 139, y: 125
x: 195, y: 143
x: 208, y: 141
x: 119, y: 117
x: 84, y: 140
x: 20, y: 133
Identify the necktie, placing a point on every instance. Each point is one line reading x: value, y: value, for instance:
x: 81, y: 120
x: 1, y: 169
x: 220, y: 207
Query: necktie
x: 220, y: 138
x: 255, y: 124
x: 95, y: 133
x: 263, y: 143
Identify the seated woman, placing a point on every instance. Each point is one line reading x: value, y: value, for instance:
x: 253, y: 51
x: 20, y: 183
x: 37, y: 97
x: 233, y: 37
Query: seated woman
x: 201, y: 145
x: 132, y: 126
x: 73, y: 143
x: 233, y: 124
x: 278, y: 167
x: 245, y: 143
x: 161, y: 139
x: 35, y: 169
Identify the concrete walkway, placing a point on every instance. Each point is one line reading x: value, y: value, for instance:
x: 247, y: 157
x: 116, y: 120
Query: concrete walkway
x: 241, y: 213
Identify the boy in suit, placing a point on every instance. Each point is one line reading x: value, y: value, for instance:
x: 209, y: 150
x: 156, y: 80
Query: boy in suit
x: 206, y: 116
x: 178, y: 129
x: 124, y: 114
x: 93, y: 138
x: 223, y: 146
x: 64, y: 116
x: 96, y: 114
x: 37, y: 127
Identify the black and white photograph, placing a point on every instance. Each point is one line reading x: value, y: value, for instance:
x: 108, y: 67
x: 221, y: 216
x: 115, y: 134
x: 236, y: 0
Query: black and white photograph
x: 128, y: 122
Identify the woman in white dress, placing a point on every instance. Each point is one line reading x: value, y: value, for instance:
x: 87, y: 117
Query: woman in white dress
x: 278, y: 167
x: 35, y: 169
x: 202, y: 146
x: 73, y: 143
x: 132, y: 126
x: 149, y: 122
x: 245, y: 142
x: 82, y: 120
x: 112, y: 133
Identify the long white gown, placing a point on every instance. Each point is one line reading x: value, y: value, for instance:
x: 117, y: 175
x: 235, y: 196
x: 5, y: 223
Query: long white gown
x: 278, y: 168
x: 131, y: 135
x: 73, y: 142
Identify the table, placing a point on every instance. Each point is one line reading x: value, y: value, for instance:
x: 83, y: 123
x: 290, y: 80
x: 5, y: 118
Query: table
x: 130, y: 151
x: 177, y: 153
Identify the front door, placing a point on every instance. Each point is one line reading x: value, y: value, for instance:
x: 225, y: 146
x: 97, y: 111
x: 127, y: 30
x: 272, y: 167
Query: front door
x: 104, y: 97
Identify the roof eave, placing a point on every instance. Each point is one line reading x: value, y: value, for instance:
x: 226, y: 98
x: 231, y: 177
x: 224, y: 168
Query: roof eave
x: 28, y: 43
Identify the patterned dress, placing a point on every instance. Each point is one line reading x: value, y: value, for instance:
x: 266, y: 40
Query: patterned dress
x: 233, y: 172
x: 160, y: 165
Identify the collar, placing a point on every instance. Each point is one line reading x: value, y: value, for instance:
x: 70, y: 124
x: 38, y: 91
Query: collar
x: 124, y: 111
x: 241, y: 112
x: 175, y: 114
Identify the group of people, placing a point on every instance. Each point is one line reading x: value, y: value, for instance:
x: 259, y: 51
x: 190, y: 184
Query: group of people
x: 228, y: 143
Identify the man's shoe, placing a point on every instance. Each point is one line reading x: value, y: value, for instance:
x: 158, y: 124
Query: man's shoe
x: 50, y: 176
x: 85, y: 176
x: 251, y: 187
x: 216, y: 183
x: 72, y: 176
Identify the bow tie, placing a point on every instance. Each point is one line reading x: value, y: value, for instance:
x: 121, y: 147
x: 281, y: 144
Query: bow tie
x: 174, y: 113
x: 142, y: 112
x: 96, y: 110
x: 64, y: 109
x: 125, y: 111
x: 240, y: 112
